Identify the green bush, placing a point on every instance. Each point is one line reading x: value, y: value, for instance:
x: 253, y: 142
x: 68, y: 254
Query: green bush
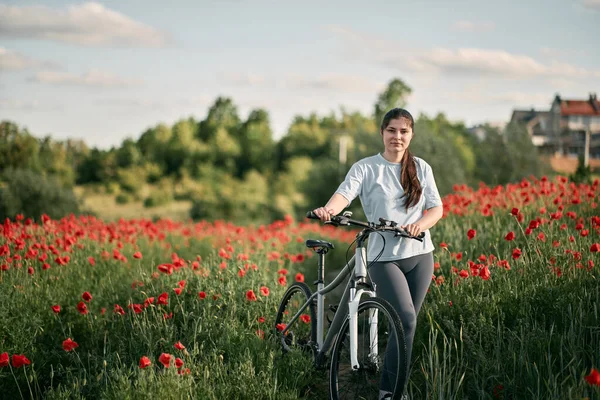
x: 28, y: 193
x: 123, y: 198
x: 158, y: 197
x: 583, y: 174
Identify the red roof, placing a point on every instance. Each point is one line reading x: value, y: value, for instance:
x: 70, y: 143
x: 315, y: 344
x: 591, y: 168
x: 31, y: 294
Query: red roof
x: 579, y: 107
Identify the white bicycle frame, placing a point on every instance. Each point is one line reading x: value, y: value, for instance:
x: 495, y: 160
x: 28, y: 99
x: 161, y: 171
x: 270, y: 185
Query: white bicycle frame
x: 351, y: 299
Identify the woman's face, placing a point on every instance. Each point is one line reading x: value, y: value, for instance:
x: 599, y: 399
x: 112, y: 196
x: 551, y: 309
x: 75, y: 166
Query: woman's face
x: 397, y: 136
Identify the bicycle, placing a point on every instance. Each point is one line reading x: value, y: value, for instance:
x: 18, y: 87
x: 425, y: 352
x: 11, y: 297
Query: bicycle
x: 355, y: 372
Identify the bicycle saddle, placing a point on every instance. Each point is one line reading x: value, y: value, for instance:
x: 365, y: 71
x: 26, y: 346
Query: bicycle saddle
x: 315, y: 243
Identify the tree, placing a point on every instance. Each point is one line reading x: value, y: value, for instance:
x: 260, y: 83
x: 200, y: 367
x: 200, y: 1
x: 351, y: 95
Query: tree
x: 395, y: 95
x: 128, y: 154
x: 305, y: 137
x: 32, y: 194
x: 18, y: 148
x: 494, y: 166
x: 222, y: 114
x: 256, y: 144
x: 521, y: 152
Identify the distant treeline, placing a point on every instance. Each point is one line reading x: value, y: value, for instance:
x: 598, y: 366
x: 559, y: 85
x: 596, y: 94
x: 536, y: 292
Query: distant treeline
x: 233, y: 168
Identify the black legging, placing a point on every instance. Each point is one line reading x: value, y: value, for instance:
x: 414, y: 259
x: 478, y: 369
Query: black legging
x: 404, y: 284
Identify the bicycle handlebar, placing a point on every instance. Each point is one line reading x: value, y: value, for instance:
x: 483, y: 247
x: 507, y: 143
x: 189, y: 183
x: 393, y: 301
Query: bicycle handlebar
x: 384, y: 225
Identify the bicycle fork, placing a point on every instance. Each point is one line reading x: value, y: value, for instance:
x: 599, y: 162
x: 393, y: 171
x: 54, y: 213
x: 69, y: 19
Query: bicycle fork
x: 361, y: 273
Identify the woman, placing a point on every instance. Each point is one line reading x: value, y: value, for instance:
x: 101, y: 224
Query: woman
x: 397, y: 186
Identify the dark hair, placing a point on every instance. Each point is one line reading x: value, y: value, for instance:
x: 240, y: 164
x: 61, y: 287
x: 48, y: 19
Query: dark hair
x: 408, y: 172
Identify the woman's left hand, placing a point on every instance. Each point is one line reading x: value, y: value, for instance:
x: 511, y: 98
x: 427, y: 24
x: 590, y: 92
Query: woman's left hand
x: 412, y: 229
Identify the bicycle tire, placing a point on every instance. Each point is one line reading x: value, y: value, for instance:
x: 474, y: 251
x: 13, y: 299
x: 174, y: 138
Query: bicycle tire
x: 304, y: 339
x: 369, y: 374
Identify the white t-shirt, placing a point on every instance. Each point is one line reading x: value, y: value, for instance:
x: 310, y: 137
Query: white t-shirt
x: 376, y: 182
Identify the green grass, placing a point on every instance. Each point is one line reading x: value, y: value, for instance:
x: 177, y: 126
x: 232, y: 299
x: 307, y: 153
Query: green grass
x: 524, y: 333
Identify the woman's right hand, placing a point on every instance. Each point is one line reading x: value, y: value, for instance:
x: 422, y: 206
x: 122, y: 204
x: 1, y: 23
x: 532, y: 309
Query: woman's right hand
x: 324, y: 213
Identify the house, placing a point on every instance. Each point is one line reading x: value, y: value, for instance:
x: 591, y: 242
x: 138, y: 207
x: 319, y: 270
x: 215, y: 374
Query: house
x: 537, y: 124
x: 569, y: 121
x: 562, y: 129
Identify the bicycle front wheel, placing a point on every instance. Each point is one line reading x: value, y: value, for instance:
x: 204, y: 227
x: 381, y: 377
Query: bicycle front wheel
x: 303, y: 334
x: 381, y: 353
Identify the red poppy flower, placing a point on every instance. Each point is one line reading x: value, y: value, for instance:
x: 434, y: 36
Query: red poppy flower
x: 4, y: 360
x: 163, y: 298
x: 471, y: 233
x: 484, y: 273
x: 510, y: 236
x: 305, y: 318
x: 91, y: 261
x: 264, y: 291
x: 166, y: 268
x: 282, y: 280
x: 165, y: 359
x: 241, y: 273
x: 463, y: 273
x: 19, y: 360
x: 594, y: 377
x: 179, y: 346
x: 56, y: 309
x: 119, y: 310
x: 282, y: 271
x: 82, y: 308
x: 145, y: 362
x: 177, y: 290
x: 137, y: 255
x: 250, y: 295
x: 69, y: 345
x: 202, y: 295
x: 178, y: 362
x: 516, y: 253
x: 261, y: 320
x: 86, y: 296
x: 595, y: 248
x: 280, y: 327
x: 299, y: 277
x: 444, y: 245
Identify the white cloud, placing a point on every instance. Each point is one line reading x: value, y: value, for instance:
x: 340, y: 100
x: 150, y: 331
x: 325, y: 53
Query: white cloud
x: 481, y: 96
x: 14, y: 61
x: 471, y: 62
x: 469, y: 26
x: 334, y: 82
x: 555, y: 53
x: 88, y: 24
x: 592, y: 4
x: 156, y: 104
x: 26, y: 105
x: 94, y: 78
x: 243, y: 79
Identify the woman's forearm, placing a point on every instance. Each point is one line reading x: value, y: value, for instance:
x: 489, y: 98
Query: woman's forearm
x: 432, y: 216
x: 337, y: 203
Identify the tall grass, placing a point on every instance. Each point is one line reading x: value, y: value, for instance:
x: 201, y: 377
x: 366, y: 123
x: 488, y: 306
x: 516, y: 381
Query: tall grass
x: 528, y: 332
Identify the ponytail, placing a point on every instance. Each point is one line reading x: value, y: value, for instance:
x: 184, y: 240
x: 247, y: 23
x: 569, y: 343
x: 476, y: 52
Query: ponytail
x: 409, y: 180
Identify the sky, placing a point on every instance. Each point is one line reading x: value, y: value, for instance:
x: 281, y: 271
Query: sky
x: 108, y: 70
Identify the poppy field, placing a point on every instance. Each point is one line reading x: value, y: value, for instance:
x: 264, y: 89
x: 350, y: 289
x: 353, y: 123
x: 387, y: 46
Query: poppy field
x: 180, y: 309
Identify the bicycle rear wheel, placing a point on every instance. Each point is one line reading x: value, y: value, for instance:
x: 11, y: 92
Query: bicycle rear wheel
x: 303, y: 334
x: 381, y: 355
